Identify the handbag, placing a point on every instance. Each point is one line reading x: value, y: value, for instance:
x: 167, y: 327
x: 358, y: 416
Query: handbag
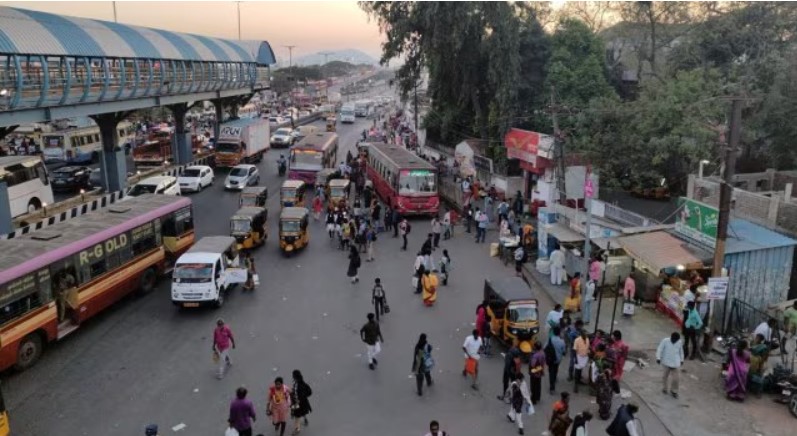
x: 256, y: 279
x: 216, y: 356
x: 387, y: 308
x: 414, y: 282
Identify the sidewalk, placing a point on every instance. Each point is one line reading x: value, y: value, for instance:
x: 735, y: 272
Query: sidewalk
x: 701, y: 409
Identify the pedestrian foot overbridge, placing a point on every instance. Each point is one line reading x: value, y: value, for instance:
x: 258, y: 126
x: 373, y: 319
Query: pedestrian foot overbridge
x: 54, y: 67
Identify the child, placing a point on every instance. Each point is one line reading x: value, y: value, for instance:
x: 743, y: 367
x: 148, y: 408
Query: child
x: 378, y: 298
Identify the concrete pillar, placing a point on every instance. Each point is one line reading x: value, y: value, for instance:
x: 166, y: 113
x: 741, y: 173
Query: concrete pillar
x: 690, y: 186
x: 113, y: 164
x: 181, y: 144
x: 787, y: 191
x: 219, y: 105
x: 6, y: 221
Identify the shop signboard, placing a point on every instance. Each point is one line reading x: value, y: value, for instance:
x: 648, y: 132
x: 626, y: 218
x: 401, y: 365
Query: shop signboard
x: 717, y: 288
x: 524, y: 144
x: 697, y: 221
x: 483, y: 163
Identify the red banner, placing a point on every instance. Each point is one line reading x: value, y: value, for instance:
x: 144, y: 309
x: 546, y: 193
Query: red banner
x: 523, y: 144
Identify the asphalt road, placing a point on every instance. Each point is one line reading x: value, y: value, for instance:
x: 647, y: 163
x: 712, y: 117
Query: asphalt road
x: 145, y: 361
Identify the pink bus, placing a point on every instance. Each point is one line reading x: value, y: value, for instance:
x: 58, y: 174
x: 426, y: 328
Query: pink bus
x: 312, y: 154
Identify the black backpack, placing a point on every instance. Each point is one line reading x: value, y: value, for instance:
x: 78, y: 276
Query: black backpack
x: 550, y: 353
x: 409, y: 227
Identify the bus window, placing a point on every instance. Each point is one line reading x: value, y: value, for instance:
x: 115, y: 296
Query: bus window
x: 42, y: 174
x: 178, y: 223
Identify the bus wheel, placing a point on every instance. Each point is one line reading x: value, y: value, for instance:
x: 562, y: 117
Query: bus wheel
x: 220, y: 301
x: 147, y: 281
x: 34, y: 205
x: 30, y: 349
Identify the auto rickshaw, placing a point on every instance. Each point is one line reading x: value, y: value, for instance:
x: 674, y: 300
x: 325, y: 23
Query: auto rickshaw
x: 249, y: 226
x: 292, y: 193
x: 253, y: 196
x: 332, y: 124
x: 294, y: 233
x: 337, y: 191
x: 513, y: 312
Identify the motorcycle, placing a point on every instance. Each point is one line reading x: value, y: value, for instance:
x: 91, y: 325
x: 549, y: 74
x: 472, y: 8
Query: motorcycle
x: 281, y: 168
x: 788, y: 396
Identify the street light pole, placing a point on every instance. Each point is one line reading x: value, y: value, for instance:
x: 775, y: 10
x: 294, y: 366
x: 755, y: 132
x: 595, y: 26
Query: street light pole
x: 239, y: 20
x: 114, y: 12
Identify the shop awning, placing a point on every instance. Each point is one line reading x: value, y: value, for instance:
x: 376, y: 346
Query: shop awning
x: 659, y: 250
x: 563, y: 233
x: 603, y: 243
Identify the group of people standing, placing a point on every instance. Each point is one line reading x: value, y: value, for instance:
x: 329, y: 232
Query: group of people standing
x: 283, y: 403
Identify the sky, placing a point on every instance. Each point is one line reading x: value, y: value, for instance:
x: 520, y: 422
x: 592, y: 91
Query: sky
x: 312, y: 26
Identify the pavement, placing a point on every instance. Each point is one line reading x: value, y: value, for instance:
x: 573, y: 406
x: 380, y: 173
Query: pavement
x: 701, y: 409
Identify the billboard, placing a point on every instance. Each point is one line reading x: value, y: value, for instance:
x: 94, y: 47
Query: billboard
x: 697, y: 221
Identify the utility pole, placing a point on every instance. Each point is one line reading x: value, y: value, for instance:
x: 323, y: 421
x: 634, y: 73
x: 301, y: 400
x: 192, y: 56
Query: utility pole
x: 726, y: 193
x: 239, y: 20
x: 114, y: 12
x: 559, y: 150
x: 323, y: 75
x: 290, y: 69
x: 416, y: 106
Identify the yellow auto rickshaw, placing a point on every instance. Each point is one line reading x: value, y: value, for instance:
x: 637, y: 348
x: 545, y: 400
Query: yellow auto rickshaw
x: 323, y: 177
x: 513, y: 312
x: 249, y: 226
x: 332, y: 124
x: 294, y: 233
x: 337, y: 191
x: 253, y: 196
x: 292, y: 193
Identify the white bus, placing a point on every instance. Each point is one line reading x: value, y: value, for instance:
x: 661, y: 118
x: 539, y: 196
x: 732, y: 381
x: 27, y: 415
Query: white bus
x: 347, y: 114
x: 82, y: 144
x: 28, y: 183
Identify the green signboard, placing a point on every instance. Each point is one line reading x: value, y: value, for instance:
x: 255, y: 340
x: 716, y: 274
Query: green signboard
x: 697, y: 221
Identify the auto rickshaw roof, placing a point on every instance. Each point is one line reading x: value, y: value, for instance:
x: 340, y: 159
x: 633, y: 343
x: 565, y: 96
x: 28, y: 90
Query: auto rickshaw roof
x: 339, y: 183
x: 293, y: 213
x: 510, y: 288
x: 249, y: 212
x: 255, y: 190
x: 295, y: 184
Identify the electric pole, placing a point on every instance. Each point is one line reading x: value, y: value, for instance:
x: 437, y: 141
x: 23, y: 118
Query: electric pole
x: 559, y: 150
x: 726, y: 192
x: 239, y: 20
x: 291, y: 80
x: 114, y: 12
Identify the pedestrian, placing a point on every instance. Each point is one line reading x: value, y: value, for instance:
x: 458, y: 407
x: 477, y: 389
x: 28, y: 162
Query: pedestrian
x: 371, y: 334
x: 426, y: 250
x: 604, y: 393
x: 222, y: 341
x: 151, y: 430
x: 554, y: 318
x: 395, y: 223
x: 692, y: 325
x: 580, y: 424
x: 419, y: 269
x: 617, y: 352
x: 361, y: 238
x: 468, y: 217
x: 554, y: 351
x: 471, y: 346
x: 629, y: 288
x: 389, y: 220
x: 376, y: 215
x: 242, y: 413
x: 445, y: 267
x: 557, y: 265
x: 430, y: 284
x: 436, y: 230
x: 670, y: 355
x: 279, y: 405
x: 249, y: 263
x: 434, y: 430
x: 536, y: 372
x: 404, y: 228
x: 503, y: 211
x: 481, y: 230
x: 581, y: 349
x: 448, y: 230
x: 571, y: 332
x: 624, y: 422
x: 519, y: 401
x: 331, y: 218
x: 370, y: 239
x: 586, y: 301
x: 520, y: 254
x: 573, y: 300
x: 511, y: 369
x: 354, y: 265
x: 378, y: 298
x: 317, y: 206
x: 422, y: 363
x: 560, y: 418
x: 300, y: 402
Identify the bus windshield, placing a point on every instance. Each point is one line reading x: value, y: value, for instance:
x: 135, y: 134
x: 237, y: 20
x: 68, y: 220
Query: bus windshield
x: 227, y: 147
x: 416, y: 182
x: 306, y: 160
x: 193, y: 272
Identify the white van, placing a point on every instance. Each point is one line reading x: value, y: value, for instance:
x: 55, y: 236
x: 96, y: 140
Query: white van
x: 204, y: 273
x: 347, y: 114
x: 166, y: 185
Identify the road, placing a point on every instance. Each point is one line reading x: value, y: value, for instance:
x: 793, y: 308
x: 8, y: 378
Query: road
x: 145, y: 361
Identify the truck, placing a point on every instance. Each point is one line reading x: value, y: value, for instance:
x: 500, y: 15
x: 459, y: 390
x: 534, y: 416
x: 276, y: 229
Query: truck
x: 242, y: 141
x: 347, y: 113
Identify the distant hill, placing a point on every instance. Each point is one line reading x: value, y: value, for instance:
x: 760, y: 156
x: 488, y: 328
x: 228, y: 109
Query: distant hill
x: 352, y: 56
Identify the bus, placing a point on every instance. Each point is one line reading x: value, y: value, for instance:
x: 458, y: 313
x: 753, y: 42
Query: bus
x: 82, y: 144
x: 28, y: 183
x: 347, y: 114
x: 54, y: 279
x: 363, y: 108
x: 403, y: 180
x: 312, y: 154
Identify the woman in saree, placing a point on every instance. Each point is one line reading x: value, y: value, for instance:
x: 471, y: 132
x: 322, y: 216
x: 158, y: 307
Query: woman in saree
x: 430, y: 283
x: 738, y: 367
x: 604, y: 394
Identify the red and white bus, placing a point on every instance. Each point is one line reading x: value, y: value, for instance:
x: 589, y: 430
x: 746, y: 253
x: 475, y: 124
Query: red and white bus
x: 403, y: 180
x: 54, y: 279
x: 312, y: 154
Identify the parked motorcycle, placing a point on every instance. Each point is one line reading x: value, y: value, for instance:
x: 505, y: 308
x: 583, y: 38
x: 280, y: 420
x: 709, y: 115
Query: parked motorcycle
x: 788, y: 396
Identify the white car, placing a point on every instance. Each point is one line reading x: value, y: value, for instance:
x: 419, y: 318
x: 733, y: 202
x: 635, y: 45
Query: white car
x: 283, y: 137
x: 195, y: 178
x: 303, y: 114
x: 242, y: 176
x: 166, y: 185
x: 276, y: 121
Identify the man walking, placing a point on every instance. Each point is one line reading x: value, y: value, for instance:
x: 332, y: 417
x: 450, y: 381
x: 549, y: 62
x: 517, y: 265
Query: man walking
x: 448, y: 231
x: 434, y: 430
x: 692, y: 325
x: 436, y: 230
x: 242, y: 413
x: 222, y: 340
x: 372, y: 336
x: 481, y: 222
x: 554, y: 351
x: 396, y: 220
x: 557, y: 259
x: 670, y: 355
x: 378, y: 298
x: 471, y: 347
x: 468, y: 217
x: 404, y: 229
